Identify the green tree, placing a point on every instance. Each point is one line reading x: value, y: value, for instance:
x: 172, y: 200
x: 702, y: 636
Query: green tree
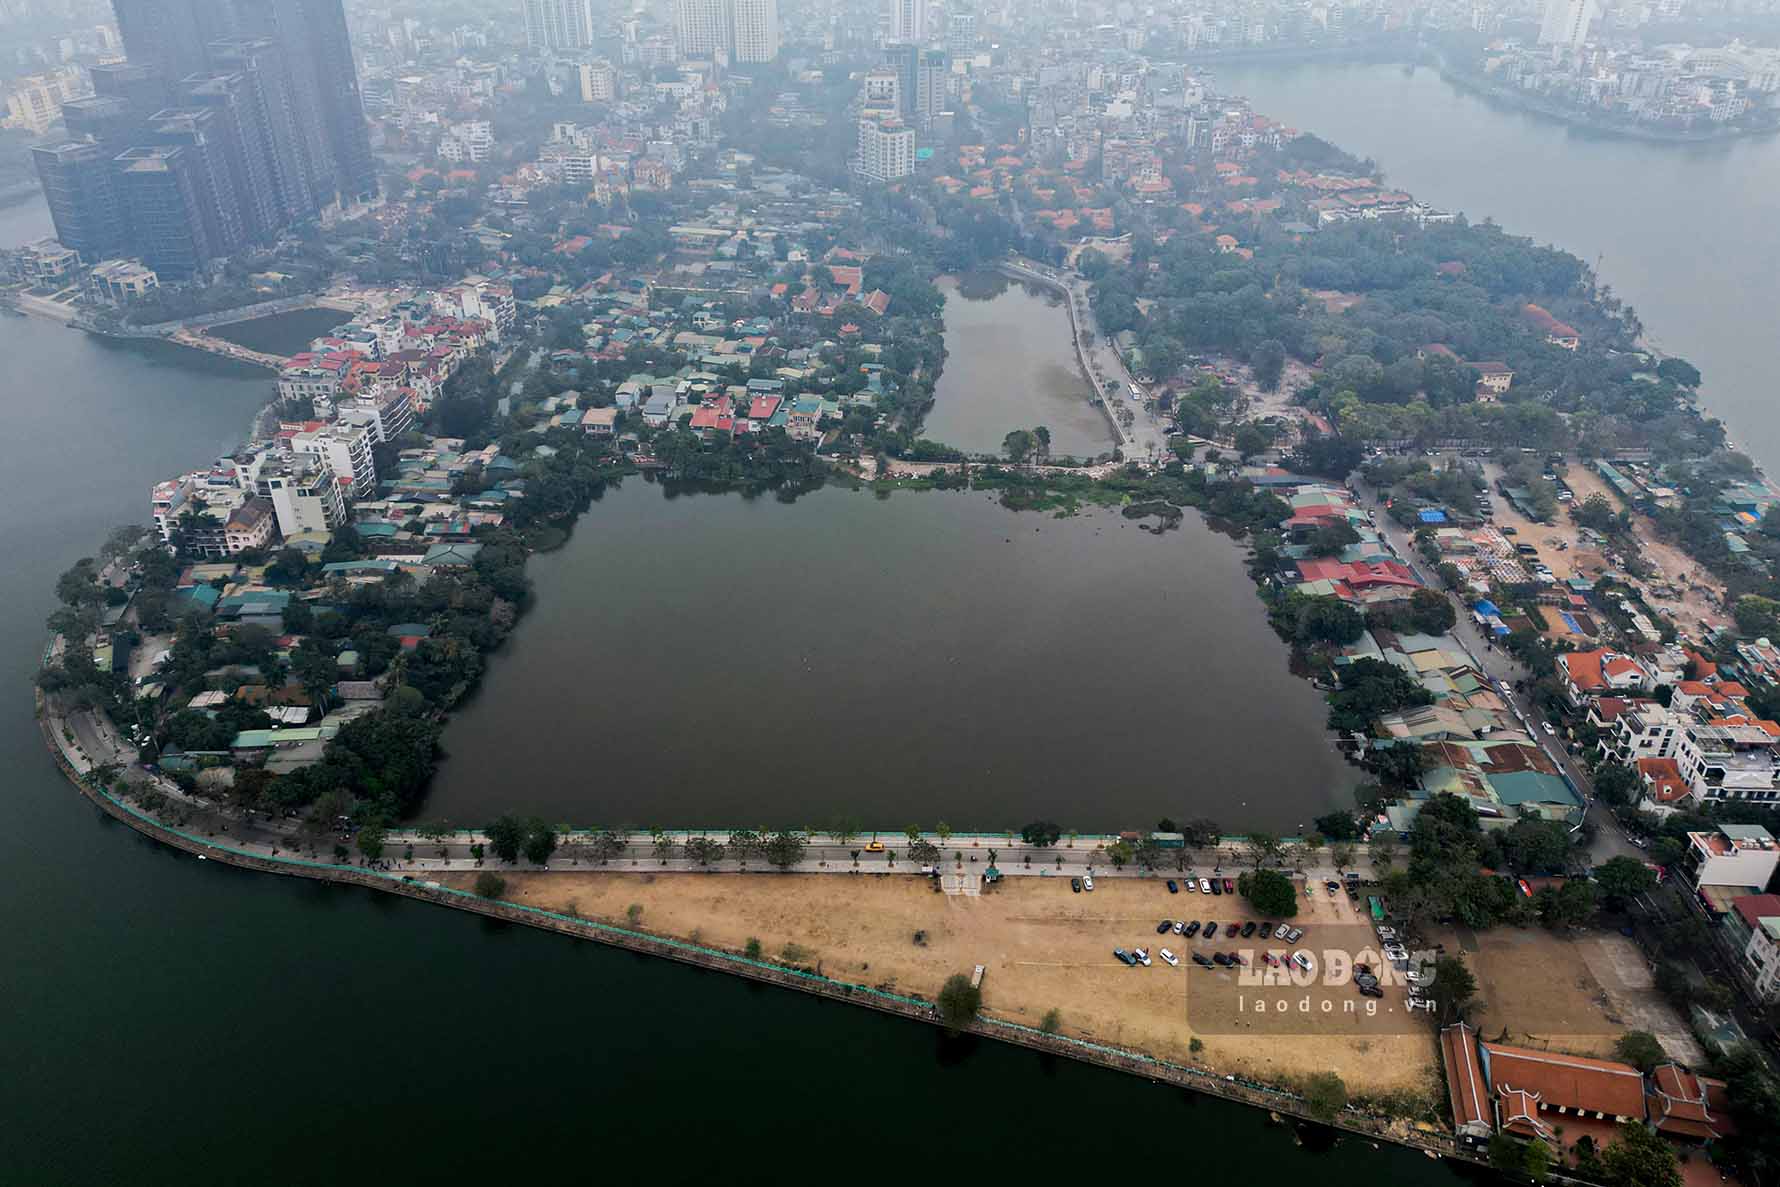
x: 1269, y: 892
x: 1264, y: 847
x: 1269, y: 361
x: 1325, y: 1095
x: 1051, y: 1023
x: 785, y: 848
x: 1041, y: 834
x: 540, y: 841
x: 1538, y: 1161
x: 606, y: 844
x: 1622, y: 879
x: 958, y: 1002
x: 1018, y: 445
x: 370, y: 841
x: 1639, y: 1158
x: 1640, y: 1049
x: 506, y: 836
x: 1454, y: 986
x: 490, y: 884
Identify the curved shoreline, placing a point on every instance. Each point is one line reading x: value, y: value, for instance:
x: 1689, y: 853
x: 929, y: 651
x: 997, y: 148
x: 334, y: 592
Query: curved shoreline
x: 1577, y: 119
x: 1277, y: 1102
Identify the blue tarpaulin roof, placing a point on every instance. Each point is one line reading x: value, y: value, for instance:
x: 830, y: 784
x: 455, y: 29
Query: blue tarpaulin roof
x: 1432, y: 515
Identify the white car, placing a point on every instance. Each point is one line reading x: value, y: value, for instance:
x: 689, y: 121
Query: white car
x: 1171, y: 958
x: 1087, y: 882
x: 1418, y: 978
x: 1192, y: 885
x: 1205, y: 885
x: 1546, y: 726
x: 1282, y: 931
x: 1387, y: 933
x: 1143, y: 957
x: 1180, y: 927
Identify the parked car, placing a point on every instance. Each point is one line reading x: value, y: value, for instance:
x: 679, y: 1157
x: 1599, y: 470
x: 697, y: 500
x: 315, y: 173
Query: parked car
x: 1264, y: 930
x: 1192, y: 885
x: 1172, y: 887
x: 1202, y: 959
x: 1272, y: 958
x: 1211, y: 929
x: 1205, y: 885
x: 1192, y: 929
x: 1164, y: 927
x: 1229, y: 886
x: 1293, y: 936
x: 1180, y: 928
x: 1248, y: 929
x: 1216, y: 887
x: 1387, y: 934
x: 1075, y: 885
x: 1171, y: 958
x: 1371, y: 990
x: 1087, y: 882
x: 1124, y: 956
x: 874, y: 846
x: 1143, y: 956
x: 1364, y: 979
x: 1362, y: 967
x: 1419, y: 979
x: 1332, y: 884
x: 1301, y: 958
x: 1282, y: 931
x: 1222, y: 959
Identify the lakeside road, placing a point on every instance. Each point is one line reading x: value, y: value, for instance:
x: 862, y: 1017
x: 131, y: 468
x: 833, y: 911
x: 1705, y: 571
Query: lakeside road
x: 1056, y: 951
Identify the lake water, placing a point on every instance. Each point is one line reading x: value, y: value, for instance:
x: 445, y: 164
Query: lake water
x: 698, y: 661
x: 1685, y: 233
x: 281, y: 333
x: 1010, y: 365
x: 178, y: 1022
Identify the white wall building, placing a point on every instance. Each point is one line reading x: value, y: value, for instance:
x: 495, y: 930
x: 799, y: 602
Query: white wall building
x: 1734, y: 855
x: 886, y: 149
x: 908, y: 21
x: 756, y: 30
x: 558, y: 24
x: 345, y: 449
x: 702, y: 28
x: 1567, y: 22
x: 599, y: 82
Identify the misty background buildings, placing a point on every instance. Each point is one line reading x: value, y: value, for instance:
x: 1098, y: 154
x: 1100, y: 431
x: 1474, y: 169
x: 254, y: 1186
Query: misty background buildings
x: 229, y: 121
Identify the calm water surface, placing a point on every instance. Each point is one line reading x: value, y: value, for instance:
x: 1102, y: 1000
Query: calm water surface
x: 698, y: 661
x: 282, y: 333
x: 1010, y: 365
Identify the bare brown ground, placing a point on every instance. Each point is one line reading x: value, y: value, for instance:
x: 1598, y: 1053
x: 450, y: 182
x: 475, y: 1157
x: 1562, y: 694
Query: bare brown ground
x: 1043, y: 947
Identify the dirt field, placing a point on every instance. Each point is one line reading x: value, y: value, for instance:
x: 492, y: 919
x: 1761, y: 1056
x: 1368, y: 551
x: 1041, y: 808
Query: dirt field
x: 1698, y: 603
x: 1575, y: 995
x: 1044, y: 948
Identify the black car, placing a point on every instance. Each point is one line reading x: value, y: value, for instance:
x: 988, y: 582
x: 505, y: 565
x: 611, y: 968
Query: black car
x: 1365, y: 979
x: 1201, y: 958
x: 1211, y: 929
x: 1075, y: 884
x: 1215, y: 888
x: 1248, y: 929
x: 1264, y: 929
x: 1371, y: 991
x: 1361, y: 968
x: 1223, y: 958
x: 1172, y: 888
x: 1164, y: 927
x: 1192, y: 928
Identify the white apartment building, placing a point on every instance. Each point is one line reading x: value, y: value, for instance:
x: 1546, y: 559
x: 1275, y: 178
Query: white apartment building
x: 1731, y: 759
x: 319, y: 385
x: 1645, y: 730
x: 386, y: 413
x: 702, y: 28
x: 756, y: 30
x: 558, y: 24
x: 1567, y: 22
x: 305, y: 495
x: 882, y: 90
x: 599, y: 82
x: 1734, y: 855
x: 908, y: 21
x: 251, y: 527
x: 886, y: 149
x: 345, y: 449
x: 472, y: 140
x: 1753, y: 923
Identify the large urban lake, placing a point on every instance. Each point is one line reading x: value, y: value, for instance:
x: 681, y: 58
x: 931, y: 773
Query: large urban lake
x: 1010, y: 364
x: 710, y: 661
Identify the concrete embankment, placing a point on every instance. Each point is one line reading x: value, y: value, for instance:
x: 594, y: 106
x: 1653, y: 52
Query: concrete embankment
x: 905, y: 1005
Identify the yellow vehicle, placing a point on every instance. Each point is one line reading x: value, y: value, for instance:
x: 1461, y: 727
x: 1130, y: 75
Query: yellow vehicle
x: 875, y: 847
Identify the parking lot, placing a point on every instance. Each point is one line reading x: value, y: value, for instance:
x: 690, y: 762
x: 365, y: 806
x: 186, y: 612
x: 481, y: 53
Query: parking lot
x: 1043, y: 947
